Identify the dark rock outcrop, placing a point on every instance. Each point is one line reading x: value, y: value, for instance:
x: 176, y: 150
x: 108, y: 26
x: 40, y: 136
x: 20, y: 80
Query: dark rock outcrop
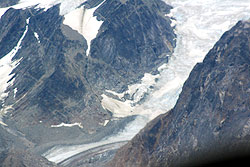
x: 7, y: 3
x: 211, y: 119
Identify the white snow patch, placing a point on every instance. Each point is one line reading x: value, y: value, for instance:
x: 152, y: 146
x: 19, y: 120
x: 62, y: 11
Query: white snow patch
x: 2, y: 11
x: 37, y: 37
x: 84, y: 21
x: 106, y: 122
x: 15, y: 91
x: 173, y: 23
x: 67, y: 125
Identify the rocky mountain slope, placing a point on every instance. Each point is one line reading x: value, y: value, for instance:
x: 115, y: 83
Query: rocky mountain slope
x: 52, y: 79
x: 55, y: 81
x: 212, y: 115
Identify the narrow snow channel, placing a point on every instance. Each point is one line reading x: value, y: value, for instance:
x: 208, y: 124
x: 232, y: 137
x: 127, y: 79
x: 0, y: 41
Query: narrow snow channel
x: 199, y: 25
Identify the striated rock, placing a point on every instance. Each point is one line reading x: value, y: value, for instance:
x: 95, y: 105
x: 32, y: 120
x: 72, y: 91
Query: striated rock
x: 211, y: 118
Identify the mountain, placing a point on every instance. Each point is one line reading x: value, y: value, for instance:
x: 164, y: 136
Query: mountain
x: 211, y: 118
x: 54, y: 75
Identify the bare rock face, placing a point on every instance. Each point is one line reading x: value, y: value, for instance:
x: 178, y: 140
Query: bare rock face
x: 211, y: 119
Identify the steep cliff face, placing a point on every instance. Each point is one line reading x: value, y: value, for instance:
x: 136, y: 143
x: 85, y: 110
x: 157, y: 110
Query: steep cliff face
x: 211, y: 118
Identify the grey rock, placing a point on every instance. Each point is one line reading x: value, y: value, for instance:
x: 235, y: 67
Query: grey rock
x: 7, y: 3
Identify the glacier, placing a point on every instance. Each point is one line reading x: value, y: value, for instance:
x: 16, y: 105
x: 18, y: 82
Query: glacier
x: 199, y: 25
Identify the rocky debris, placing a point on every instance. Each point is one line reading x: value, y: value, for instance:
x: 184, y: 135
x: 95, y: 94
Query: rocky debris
x: 211, y: 118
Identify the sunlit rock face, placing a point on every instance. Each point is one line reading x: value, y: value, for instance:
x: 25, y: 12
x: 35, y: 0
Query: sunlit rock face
x: 211, y: 117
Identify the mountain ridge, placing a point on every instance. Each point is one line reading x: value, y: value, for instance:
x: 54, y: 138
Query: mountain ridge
x: 211, y: 117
